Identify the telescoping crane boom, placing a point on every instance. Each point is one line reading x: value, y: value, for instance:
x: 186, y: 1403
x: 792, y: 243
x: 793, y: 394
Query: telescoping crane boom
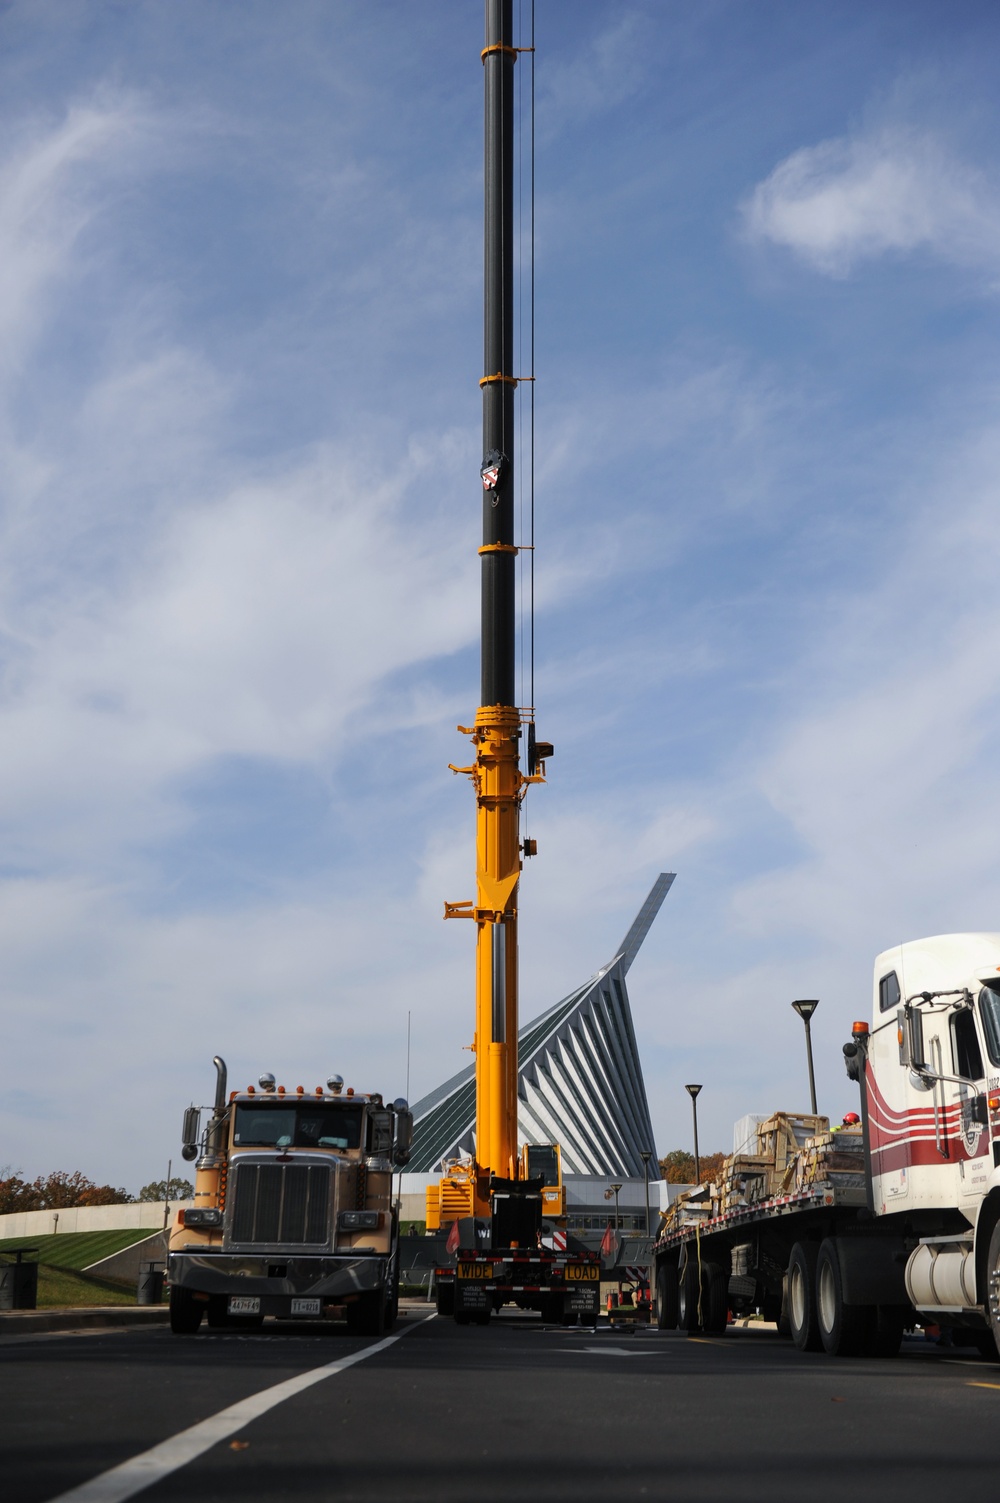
x: 495, y: 1203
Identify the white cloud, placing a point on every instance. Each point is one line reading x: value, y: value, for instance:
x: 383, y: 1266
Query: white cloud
x: 887, y: 191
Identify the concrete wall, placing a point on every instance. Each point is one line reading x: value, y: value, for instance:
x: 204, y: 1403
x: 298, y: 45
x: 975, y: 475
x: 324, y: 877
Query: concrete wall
x: 88, y: 1219
x: 127, y: 1264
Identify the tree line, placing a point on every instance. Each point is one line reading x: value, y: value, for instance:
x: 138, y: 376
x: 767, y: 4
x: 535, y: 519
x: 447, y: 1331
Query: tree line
x: 677, y: 1167
x: 62, y: 1191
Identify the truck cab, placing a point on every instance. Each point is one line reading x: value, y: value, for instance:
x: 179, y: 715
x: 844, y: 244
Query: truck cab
x: 293, y: 1212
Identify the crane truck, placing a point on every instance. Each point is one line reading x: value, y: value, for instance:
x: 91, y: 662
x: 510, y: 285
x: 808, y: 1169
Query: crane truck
x: 498, y: 1200
x: 848, y: 1237
x: 292, y: 1212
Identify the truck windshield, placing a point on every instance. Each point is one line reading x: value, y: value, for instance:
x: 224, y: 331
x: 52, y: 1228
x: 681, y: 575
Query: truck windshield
x: 989, y: 1008
x: 320, y: 1124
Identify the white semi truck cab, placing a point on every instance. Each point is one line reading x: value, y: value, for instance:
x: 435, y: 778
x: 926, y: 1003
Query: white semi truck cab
x: 847, y: 1237
x: 930, y: 1074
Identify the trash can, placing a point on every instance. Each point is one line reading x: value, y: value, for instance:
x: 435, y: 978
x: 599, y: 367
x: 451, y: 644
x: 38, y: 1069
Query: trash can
x: 19, y: 1282
x: 150, y: 1287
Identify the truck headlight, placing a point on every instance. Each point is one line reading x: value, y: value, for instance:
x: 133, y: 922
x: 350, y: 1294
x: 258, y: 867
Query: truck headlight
x: 357, y: 1221
x: 201, y: 1216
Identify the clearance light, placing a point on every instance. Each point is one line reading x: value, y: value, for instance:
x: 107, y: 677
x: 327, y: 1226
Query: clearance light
x: 994, y: 1103
x: 250, y: 1090
x: 281, y: 1090
x: 319, y: 1090
x: 300, y: 1090
x: 350, y: 1090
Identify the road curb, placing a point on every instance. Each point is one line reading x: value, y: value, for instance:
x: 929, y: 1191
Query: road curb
x: 95, y: 1317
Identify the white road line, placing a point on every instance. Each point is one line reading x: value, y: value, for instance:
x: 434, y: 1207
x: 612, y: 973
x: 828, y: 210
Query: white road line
x: 142, y: 1471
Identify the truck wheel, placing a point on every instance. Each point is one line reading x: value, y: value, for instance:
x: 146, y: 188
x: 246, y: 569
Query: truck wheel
x: 887, y: 1329
x: 185, y: 1311
x: 714, y: 1299
x: 802, y: 1297
x: 845, y: 1330
x: 993, y: 1284
x: 392, y: 1302
x: 366, y: 1316
x: 687, y: 1297
x: 666, y: 1296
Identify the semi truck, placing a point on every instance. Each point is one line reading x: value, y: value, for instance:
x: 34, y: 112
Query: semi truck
x: 847, y: 1238
x: 293, y: 1213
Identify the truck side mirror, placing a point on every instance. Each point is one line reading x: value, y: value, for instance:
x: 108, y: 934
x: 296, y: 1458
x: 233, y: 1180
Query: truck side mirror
x: 404, y: 1136
x: 910, y: 1032
x: 191, y: 1133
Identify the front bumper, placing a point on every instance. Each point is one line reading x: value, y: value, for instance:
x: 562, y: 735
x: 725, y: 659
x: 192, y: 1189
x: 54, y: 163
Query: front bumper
x: 278, y: 1278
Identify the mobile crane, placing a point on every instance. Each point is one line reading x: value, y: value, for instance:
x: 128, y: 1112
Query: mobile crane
x: 496, y: 1202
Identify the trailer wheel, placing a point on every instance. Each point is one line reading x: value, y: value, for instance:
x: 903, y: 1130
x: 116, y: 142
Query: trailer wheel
x: 185, y: 1311
x: 666, y: 1296
x: 993, y: 1284
x: 688, y: 1293
x: 802, y: 1297
x: 715, y: 1298
x: 845, y: 1330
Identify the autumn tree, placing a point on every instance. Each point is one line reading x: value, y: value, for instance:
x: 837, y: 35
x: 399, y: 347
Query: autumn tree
x: 161, y: 1189
x: 15, y: 1193
x: 677, y: 1167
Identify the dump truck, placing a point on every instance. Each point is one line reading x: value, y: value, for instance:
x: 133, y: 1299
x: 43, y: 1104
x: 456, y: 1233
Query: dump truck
x: 293, y: 1214
x: 847, y: 1237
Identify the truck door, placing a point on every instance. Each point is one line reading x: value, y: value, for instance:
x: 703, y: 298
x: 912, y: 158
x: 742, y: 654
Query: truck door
x: 969, y: 1126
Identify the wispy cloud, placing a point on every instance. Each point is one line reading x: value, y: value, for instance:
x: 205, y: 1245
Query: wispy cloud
x: 890, y: 190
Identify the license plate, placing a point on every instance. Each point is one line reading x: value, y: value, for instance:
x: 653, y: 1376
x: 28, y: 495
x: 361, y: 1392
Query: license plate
x: 583, y: 1271
x: 244, y: 1304
x: 307, y: 1307
x: 481, y: 1271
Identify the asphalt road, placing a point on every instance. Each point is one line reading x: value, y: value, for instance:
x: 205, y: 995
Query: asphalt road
x: 518, y: 1410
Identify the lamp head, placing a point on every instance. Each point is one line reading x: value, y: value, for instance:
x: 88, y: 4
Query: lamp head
x: 805, y: 1010
x: 692, y: 1090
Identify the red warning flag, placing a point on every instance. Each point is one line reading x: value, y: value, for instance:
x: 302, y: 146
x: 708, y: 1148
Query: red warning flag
x: 609, y: 1243
x: 452, y: 1242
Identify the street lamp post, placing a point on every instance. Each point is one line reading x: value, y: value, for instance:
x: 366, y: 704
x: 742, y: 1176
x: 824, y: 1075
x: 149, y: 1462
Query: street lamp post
x: 613, y: 1190
x: 646, y: 1155
x: 805, y: 1011
x: 692, y: 1091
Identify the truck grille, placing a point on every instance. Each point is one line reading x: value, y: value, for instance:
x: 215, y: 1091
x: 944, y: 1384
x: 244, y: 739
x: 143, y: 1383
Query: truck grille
x: 281, y: 1203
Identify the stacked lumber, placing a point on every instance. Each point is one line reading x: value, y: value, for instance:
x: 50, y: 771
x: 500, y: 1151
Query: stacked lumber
x: 794, y: 1150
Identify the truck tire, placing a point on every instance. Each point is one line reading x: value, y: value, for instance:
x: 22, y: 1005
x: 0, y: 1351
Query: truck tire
x: 392, y: 1301
x: 887, y: 1329
x: 688, y: 1292
x: 185, y: 1311
x: 366, y: 1316
x: 714, y: 1299
x: 993, y: 1284
x: 845, y: 1330
x: 666, y: 1296
x: 802, y: 1297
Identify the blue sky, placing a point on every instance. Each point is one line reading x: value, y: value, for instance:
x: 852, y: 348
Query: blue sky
x: 240, y: 315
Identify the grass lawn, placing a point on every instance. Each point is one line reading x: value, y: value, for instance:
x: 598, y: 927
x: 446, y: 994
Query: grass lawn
x: 60, y: 1279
